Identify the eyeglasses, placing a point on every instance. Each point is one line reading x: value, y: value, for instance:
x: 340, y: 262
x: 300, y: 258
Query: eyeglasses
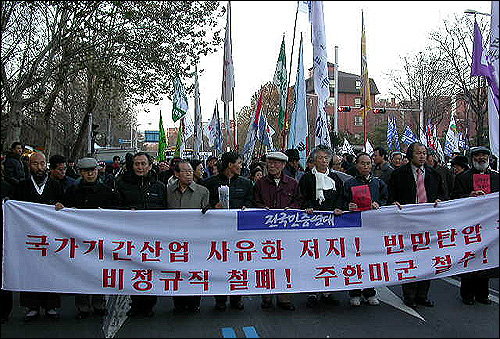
x: 186, y: 171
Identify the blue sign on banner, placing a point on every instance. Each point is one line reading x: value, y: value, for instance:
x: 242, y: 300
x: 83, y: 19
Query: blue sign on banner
x: 295, y: 220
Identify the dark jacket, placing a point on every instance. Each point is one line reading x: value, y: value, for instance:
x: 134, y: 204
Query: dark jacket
x: 51, y: 194
x: 464, y: 183
x: 285, y: 194
x: 90, y: 195
x: 66, y: 183
x: 333, y: 198
x: 141, y: 192
x: 240, y: 190
x: 403, y: 188
x: 378, y: 189
x: 447, y: 176
x: 14, y: 169
x: 384, y: 172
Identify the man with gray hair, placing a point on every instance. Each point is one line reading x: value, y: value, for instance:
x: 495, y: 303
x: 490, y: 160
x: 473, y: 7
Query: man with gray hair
x: 322, y: 190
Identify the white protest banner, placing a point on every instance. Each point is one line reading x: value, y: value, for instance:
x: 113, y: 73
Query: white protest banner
x: 256, y: 251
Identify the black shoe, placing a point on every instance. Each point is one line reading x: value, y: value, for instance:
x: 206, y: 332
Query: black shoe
x: 286, y: 306
x: 100, y: 312
x: 265, y: 305
x: 410, y: 303
x: 31, y: 314
x: 312, y: 301
x: 329, y: 299
x: 238, y: 305
x: 425, y: 302
x: 221, y: 307
x: 468, y: 301
x: 82, y: 315
x: 52, y: 314
x: 486, y: 301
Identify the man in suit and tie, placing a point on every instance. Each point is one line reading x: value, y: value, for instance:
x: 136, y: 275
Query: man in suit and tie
x: 416, y: 183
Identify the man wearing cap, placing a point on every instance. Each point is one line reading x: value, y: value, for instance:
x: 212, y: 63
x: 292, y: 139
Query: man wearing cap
x: 89, y: 193
x: 292, y: 168
x: 474, y: 286
x: 277, y: 191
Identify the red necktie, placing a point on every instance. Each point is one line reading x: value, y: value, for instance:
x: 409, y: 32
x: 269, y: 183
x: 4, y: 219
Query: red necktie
x: 421, y: 195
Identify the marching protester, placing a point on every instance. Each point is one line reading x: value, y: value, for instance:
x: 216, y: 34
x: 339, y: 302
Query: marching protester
x: 71, y: 171
x: 382, y: 168
x: 277, y: 190
x: 256, y: 174
x: 321, y: 190
x: 198, y: 170
x: 42, y: 189
x: 336, y: 167
x: 475, y: 182
x: 446, y: 174
x: 292, y: 168
x: 14, y: 168
x: 57, y: 165
x: 396, y: 159
x: 211, y: 167
x: 139, y: 190
x: 416, y: 182
x: 459, y: 164
x: 186, y: 193
x: 89, y: 193
x: 364, y: 192
x: 240, y: 196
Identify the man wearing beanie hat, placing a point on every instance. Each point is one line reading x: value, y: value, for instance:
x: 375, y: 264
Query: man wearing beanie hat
x: 292, y: 168
x: 277, y: 190
x: 474, y: 286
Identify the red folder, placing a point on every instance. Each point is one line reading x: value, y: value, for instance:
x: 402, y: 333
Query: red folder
x: 482, y: 182
x: 362, y: 197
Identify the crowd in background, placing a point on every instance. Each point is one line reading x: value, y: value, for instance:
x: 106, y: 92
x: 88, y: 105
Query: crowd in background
x: 274, y: 180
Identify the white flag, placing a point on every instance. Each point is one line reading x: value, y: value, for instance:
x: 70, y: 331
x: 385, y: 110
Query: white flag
x: 368, y: 147
x: 451, y: 143
x: 320, y: 70
x: 227, y: 67
x: 347, y: 148
x: 298, y: 124
x: 188, y: 127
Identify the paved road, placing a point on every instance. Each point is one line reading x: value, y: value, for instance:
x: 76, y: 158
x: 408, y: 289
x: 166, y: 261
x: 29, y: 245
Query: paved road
x: 448, y: 319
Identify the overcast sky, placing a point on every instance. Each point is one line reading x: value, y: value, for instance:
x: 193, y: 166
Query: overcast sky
x: 393, y: 29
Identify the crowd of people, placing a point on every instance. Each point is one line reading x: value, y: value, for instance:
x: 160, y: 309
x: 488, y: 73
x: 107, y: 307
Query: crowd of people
x: 275, y: 180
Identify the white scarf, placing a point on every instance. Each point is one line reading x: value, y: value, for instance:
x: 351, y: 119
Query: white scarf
x: 323, y: 183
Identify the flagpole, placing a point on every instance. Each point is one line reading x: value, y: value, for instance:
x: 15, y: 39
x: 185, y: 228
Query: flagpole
x: 283, y: 145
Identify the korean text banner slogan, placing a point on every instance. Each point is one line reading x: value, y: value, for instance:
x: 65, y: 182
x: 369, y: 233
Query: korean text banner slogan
x: 185, y: 252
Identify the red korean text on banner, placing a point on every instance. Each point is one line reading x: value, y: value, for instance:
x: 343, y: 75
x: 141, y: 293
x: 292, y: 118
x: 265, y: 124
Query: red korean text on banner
x: 482, y: 182
x: 362, y: 197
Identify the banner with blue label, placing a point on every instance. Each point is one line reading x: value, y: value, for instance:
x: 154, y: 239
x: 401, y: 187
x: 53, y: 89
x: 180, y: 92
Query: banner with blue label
x: 293, y: 219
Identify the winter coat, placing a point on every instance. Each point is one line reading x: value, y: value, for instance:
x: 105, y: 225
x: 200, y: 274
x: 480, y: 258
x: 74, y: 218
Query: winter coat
x: 141, y: 192
x: 285, y: 194
x: 240, y: 190
x: 378, y: 189
x: 333, y: 198
x: 90, y: 195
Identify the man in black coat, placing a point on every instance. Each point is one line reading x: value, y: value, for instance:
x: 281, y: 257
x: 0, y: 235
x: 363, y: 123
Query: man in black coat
x: 42, y: 189
x: 240, y: 196
x: 89, y: 193
x: 14, y: 169
x: 474, y: 286
x: 138, y: 189
x: 403, y: 185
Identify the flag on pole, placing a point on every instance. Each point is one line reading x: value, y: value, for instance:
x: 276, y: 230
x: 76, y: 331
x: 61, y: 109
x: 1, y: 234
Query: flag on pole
x: 451, y: 141
x: 365, y: 82
x: 462, y: 141
x: 227, y: 68
x: 213, y: 131
x: 368, y: 147
x: 265, y: 132
x: 303, y: 6
x: 408, y: 137
x: 431, y: 133
x: 188, y: 127
x: 486, y: 64
x: 396, y: 137
x: 280, y: 80
x: 440, y: 151
x: 298, y: 128
x: 198, y: 137
x: 252, y: 131
x: 347, y: 148
x: 320, y: 71
x: 162, y: 142
x: 179, y: 145
x: 390, y: 133
x: 180, y: 103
